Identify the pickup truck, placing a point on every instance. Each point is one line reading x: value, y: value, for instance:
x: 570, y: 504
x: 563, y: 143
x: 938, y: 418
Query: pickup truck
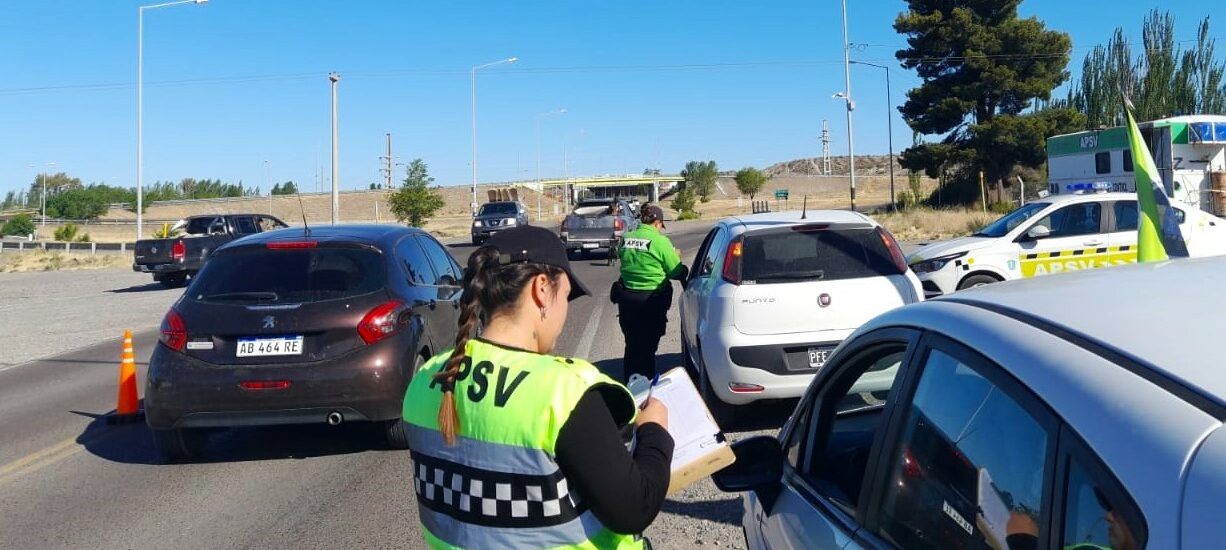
x: 597, y: 224
x: 174, y: 260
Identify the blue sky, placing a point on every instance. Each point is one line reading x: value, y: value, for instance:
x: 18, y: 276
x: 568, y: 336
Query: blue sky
x: 646, y: 84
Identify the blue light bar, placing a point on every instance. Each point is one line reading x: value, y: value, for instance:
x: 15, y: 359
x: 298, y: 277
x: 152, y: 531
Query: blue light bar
x: 1086, y: 187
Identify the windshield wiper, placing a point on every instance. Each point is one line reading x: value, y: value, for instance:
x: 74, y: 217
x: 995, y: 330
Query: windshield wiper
x: 270, y: 296
x: 811, y: 274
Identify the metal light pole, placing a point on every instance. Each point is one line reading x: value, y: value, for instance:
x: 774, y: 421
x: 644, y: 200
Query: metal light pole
x: 336, y: 195
x: 540, y: 189
x: 474, y: 117
x: 267, y: 187
x: 889, y: 121
x: 851, y: 106
x: 140, y: 106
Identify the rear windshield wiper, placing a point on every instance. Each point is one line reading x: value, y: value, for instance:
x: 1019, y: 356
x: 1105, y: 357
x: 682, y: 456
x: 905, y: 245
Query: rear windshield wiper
x: 811, y: 274
x: 269, y: 296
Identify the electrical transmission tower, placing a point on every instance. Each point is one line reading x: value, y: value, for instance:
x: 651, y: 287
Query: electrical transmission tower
x: 826, y: 147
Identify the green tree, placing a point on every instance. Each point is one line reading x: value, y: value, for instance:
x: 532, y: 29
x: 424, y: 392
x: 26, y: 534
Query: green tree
x: 749, y: 181
x: 1163, y: 81
x: 289, y: 188
x: 20, y: 225
x: 683, y: 203
x: 700, y: 178
x: 981, y: 67
x: 276, y: 189
x: 10, y: 200
x: 416, y: 201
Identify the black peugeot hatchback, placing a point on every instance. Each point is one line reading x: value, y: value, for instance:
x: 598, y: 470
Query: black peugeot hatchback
x: 296, y: 326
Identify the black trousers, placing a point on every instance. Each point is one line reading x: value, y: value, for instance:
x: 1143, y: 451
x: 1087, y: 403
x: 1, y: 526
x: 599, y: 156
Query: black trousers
x: 643, y: 316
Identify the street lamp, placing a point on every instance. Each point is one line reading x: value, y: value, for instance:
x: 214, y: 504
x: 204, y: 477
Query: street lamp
x: 846, y: 96
x: 42, y: 199
x: 140, y: 104
x: 267, y: 187
x: 889, y: 121
x: 540, y: 189
x: 474, y: 116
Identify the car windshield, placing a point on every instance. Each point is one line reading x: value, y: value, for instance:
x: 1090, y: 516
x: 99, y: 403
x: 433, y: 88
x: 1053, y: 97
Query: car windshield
x: 496, y: 208
x: 289, y: 276
x: 1004, y: 225
x: 593, y: 208
x: 196, y: 226
x: 833, y: 254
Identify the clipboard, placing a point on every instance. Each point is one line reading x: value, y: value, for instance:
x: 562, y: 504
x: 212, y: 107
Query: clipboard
x: 700, y: 448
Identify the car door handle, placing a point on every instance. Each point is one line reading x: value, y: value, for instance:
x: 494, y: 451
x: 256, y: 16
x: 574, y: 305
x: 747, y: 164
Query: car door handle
x: 1093, y: 243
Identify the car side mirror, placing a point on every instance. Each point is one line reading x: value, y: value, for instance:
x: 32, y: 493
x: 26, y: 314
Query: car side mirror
x: 758, y: 468
x: 1038, y: 232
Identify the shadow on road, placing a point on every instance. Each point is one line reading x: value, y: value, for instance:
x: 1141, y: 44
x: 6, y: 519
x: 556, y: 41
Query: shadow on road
x: 726, y: 510
x: 615, y: 369
x: 143, y: 288
x: 133, y: 443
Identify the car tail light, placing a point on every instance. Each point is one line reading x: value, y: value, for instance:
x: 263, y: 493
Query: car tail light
x: 255, y: 385
x: 292, y: 245
x: 174, y: 331
x: 380, y: 322
x: 619, y: 224
x: 732, y: 261
x: 810, y: 227
x: 900, y: 261
x: 178, y: 251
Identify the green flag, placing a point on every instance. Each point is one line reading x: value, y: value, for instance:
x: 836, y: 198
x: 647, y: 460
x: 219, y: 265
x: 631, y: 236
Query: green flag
x: 1158, y: 235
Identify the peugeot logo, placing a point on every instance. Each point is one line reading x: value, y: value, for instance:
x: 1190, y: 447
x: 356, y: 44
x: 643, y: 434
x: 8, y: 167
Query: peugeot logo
x: 270, y: 322
x: 154, y: 250
x: 823, y: 300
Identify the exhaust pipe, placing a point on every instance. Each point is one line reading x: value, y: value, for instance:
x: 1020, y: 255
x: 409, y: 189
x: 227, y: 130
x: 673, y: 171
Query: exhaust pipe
x: 335, y: 418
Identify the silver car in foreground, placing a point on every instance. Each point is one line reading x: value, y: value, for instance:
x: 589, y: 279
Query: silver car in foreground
x: 1080, y: 411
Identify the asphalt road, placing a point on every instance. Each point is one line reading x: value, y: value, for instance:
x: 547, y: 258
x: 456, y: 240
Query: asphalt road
x: 69, y: 480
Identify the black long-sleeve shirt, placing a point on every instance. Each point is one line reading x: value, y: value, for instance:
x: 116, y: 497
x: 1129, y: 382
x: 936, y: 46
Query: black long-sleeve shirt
x: 624, y: 492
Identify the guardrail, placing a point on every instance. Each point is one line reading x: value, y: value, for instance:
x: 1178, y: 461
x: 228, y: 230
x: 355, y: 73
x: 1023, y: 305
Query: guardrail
x: 71, y: 248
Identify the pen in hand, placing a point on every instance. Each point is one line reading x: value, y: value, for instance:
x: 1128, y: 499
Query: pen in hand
x: 650, y: 390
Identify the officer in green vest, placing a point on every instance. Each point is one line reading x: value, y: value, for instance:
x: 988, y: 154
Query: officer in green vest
x: 515, y: 448
x: 649, y: 263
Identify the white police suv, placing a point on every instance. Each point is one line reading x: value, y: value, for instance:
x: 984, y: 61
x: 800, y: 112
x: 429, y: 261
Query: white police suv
x: 1054, y: 235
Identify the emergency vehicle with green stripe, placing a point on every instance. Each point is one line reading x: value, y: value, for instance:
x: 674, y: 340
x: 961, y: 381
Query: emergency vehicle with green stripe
x: 499, y: 486
x: 1055, y: 234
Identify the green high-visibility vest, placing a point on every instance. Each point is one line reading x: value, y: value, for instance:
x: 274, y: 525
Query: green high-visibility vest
x: 648, y: 259
x: 500, y: 486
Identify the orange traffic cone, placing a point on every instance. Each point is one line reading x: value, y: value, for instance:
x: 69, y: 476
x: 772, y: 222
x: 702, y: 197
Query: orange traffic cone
x: 127, y: 408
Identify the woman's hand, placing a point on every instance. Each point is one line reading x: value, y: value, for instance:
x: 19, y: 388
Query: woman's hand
x: 653, y: 411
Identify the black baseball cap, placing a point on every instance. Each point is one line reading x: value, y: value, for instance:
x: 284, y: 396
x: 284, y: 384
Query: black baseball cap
x: 650, y: 213
x: 536, y: 245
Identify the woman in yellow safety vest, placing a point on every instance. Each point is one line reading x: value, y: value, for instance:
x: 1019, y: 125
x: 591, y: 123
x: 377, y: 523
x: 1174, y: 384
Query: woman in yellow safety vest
x: 515, y: 448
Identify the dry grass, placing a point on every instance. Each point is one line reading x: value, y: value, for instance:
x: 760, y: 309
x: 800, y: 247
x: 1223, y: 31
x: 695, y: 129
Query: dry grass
x: 925, y: 224
x: 21, y: 262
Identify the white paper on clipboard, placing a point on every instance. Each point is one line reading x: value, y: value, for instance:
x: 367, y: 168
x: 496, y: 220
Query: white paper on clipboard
x: 699, y: 448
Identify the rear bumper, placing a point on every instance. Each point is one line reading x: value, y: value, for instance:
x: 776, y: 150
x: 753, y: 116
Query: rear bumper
x: 159, y: 269
x: 777, y: 363
x: 366, y: 385
x: 581, y: 243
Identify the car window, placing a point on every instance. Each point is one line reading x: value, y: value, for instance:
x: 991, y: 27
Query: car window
x: 1102, y: 162
x: 704, y: 260
x: 290, y: 276
x: 1126, y: 215
x: 1127, y: 160
x: 218, y: 226
x: 246, y: 225
x: 199, y: 226
x: 268, y: 223
x: 1075, y: 219
x: 414, y: 261
x: 847, y: 418
x: 1095, y: 521
x: 833, y: 254
x: 971, y: 464
x: 444, y: 268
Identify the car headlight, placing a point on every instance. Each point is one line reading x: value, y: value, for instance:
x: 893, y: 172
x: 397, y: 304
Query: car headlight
x: 476, y: 223
x: 935, y: 264
x: 510, y: 221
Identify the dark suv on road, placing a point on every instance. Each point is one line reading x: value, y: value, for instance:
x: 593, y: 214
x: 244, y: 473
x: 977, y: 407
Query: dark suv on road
x: 497, y: 216
x: 301, y: 326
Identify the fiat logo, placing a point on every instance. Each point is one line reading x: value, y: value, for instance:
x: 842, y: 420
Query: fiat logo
x: 823, y: 300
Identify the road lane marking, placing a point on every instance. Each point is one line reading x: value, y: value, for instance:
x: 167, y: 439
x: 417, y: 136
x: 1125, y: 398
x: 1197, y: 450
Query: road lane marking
x: 47, y: 456
x: 584, y: 349
x: 39, y: 459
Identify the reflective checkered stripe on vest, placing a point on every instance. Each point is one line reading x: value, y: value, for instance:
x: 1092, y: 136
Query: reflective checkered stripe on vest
x: 499, y: 485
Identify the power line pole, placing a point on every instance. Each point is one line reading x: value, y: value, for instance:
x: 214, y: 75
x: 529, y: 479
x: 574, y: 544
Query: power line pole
x: 826, y: 147
x: 336, y: 195
x: 387, y: 164
x: 851, y: 149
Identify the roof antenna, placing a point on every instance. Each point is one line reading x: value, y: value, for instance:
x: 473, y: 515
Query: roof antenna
x: 804, y: 213
x: 302, y: 209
